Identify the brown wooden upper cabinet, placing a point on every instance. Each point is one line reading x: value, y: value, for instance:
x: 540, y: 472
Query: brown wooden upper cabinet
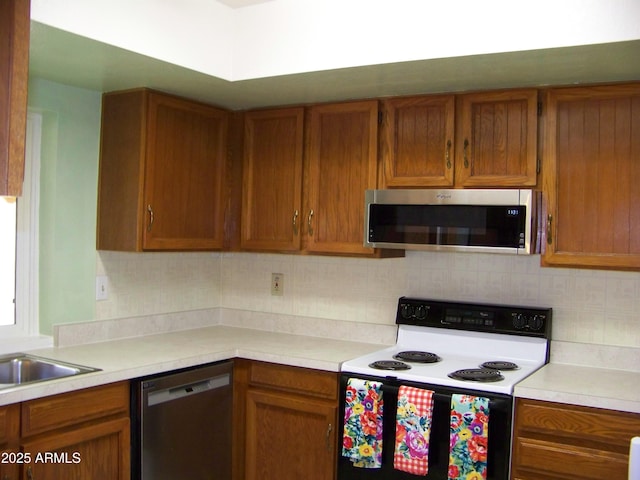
x: 483, y: 139
x: 322, y: 210
x: 162, y: 163
x: 341, y: 163
x: 591, y: 173
x: 272, y: 180
x: 14, y: 72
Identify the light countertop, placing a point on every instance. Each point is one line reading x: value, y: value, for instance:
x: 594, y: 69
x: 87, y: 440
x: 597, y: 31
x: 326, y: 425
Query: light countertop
x: 567, y: 379
x: 588, y: 375
x: 147, y: 355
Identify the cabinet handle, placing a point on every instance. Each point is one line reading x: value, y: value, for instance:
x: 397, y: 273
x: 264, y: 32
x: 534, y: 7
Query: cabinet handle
x: 465, y: 153
x: 309, y: 228
x: 29, y: 473
x: 329, y: 429
x: 549, y: 219
x: 295, y: 222
x: 447, y: 154
x: 151, y: 217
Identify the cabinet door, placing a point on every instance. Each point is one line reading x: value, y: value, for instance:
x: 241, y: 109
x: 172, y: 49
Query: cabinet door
x: 342, y: 164
x: 289, y: 437
x: 9, y: 471
x: 591, y: 176
x: 497, y: 139
x: 272, y: 180
x: 100, y: 450
x: 184, y: 175
x: 9, y: 442
x: 14, y: 66
x: 417, y: 141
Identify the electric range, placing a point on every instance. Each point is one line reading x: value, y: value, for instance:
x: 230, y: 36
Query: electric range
x: 449, y: 348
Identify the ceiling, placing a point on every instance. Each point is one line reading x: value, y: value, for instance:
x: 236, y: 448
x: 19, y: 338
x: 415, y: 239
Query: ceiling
x: 98, y: 66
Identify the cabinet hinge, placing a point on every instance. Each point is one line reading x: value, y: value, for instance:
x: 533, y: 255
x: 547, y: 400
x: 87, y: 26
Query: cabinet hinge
x: 538, y: 162
x: 539, y: 108
x: 380, y: 118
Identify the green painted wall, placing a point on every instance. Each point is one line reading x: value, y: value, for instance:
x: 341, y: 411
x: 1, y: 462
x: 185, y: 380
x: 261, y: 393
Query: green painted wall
x: 68, y: 187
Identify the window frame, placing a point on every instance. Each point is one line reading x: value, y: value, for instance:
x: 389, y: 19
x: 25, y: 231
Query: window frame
x: 26, y: 327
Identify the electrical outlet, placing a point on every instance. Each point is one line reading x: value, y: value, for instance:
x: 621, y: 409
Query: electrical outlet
x: 277, y: 284
x: 102, y: 287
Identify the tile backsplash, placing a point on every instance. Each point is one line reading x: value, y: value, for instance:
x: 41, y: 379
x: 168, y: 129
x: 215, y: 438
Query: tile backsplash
x: 590, y: 306
x: 155, y: 283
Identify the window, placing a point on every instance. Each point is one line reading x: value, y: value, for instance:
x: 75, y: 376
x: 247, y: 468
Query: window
x: 19, y: 246
x: 7, y: 260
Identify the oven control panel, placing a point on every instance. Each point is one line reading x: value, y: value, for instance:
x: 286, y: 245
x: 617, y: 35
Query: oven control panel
x: 480, y: 317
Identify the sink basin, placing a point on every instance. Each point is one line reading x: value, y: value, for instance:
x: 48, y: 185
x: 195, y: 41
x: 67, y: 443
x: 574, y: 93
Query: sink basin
x: 21, y: 369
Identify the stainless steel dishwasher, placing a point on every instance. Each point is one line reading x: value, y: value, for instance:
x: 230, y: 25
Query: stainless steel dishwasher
x: 183, y: 424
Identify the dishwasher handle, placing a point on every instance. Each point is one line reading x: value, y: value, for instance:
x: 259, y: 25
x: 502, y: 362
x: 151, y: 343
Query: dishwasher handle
x: 175, y: 393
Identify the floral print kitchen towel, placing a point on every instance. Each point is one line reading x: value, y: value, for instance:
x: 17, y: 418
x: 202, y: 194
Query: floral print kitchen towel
x: 362, y: 437
x: 469, y: 437
x: 413, y: 427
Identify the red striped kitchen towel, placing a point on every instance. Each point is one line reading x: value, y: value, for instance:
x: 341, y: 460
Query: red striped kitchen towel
x: 469, y: 437
x: 413, y: 427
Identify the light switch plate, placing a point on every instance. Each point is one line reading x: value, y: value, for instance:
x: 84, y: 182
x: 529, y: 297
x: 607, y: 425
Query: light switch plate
x: 277, y: 284
x: 102, y: 287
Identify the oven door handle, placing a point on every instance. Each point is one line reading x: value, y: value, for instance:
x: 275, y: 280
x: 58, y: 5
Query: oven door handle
x: 496, y: 402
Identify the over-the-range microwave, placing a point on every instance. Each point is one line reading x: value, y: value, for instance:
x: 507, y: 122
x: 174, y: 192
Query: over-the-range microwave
x: 469, y: 220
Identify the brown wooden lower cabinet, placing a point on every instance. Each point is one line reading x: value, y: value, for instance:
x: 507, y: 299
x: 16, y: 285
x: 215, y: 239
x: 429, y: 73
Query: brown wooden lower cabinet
x: 72, y: 436
x: 286, y: 422
x: 97, y: 451
x: 555, y: 441
x: 9, y: 441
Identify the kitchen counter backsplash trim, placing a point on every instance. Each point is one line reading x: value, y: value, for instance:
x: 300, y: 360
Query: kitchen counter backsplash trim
x: 81, y: 333
x: 310, y: 326
x: 71, y: 334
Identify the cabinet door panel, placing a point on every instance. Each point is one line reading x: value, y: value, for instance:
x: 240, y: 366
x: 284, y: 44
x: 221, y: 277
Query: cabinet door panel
x: 536, y: 456
x: 591, y: 173
x: 342, y: 164
x: 497, y: 141
x: 9, y: 424
x: 272, y: 180
x: 93, y: 452
x: 289, y: 437
x: 417, y: 141
x: 184, y: 179
x: 9, y: 471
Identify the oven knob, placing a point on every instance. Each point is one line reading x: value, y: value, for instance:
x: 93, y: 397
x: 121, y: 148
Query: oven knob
x: 406, y: 310
x: 536, y: 322
x: 519, y: 320
x: 421, y: 312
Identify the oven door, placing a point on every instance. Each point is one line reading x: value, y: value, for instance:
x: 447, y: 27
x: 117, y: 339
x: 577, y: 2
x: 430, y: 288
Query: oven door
x: 499, y: 447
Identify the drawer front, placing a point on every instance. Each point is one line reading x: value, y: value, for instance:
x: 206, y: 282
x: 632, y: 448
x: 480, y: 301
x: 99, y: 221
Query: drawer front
x: 584, y: 424
x: 537, y: 457
x: 295, y: 379
x: 72, y: 408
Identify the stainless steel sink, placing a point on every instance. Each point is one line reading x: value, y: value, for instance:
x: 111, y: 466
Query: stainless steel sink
x: 21, y: 369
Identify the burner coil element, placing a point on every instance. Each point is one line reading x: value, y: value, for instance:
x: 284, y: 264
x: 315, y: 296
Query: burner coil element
x: 500, y: 365
x: 417, y: 356
x: 389, y: 365
x: 480, y: 375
